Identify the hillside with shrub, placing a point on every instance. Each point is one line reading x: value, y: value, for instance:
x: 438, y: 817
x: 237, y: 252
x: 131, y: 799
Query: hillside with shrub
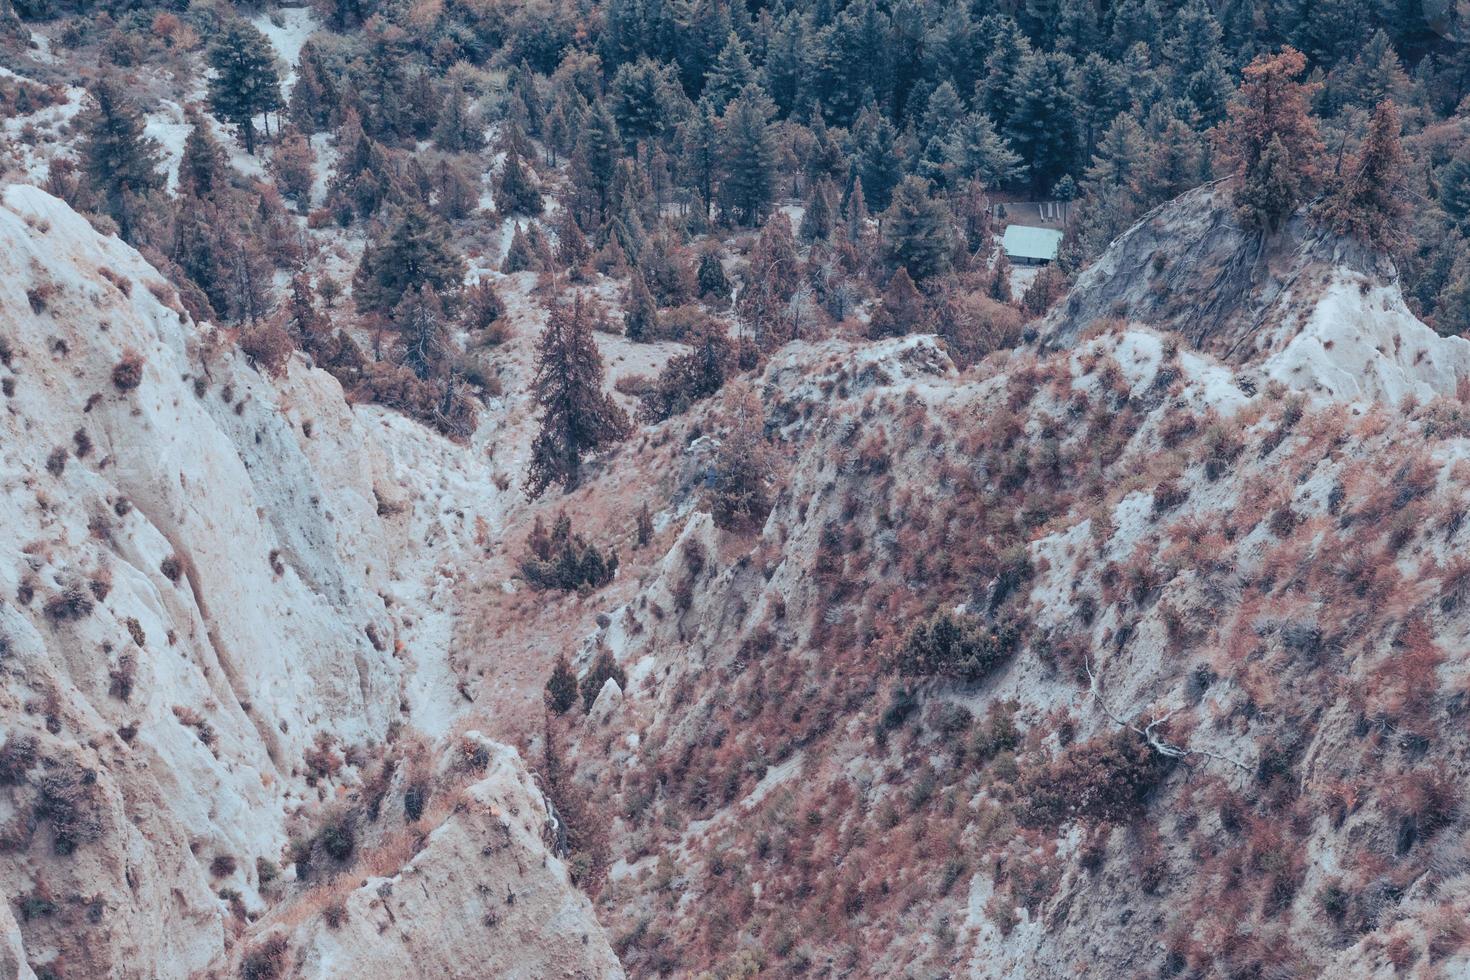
x: 544, y: 489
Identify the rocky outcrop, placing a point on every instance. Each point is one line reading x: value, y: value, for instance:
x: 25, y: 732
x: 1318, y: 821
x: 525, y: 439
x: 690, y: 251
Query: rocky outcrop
x: 477, y: 896
x: 1318, y: 311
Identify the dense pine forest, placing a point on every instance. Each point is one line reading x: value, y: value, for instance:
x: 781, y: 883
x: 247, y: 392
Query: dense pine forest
x: 894, y: 133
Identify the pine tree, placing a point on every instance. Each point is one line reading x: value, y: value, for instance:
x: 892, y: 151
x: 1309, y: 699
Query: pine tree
x: 747, y: 157
x: 557, y: 133
x: 644, y: 525
x: 731, y: 73
x: 856, y: 66
x: 577, y: 416
x: 1044, y: 290
x: 699, y: 154
x: 203, y: 167
x: 198, y: 250
x: 1376, y: 74
x: 414, y: 253
x: 998, y: 90
x: 1119, y: 157
x: 741, y: 495
x: 1136, y: 22
x: 314, y: 101
x: 902, y: 310
x: 1172, y: 164
x: 643, y: 99
x: 640, y: 321
x: 247, y: 287
x: 291, y: 165
x: 604, y: 669
x: 978, y: 151
x: 943, y: 111
x: 459, y: 129
x: 455, y: 193
x: 873, y: 145
x: 710, y: 276
x: 599, y: 147
x: 1454, y: 186
x: 422, y: 330
x: 770, y: 281
x: 1366, y: 202
x: 1271, y: 139
x: 483, y: 307
x: 122, y: 163
x: 857, y: 212
x: 245, y: 82
x: 515, y: 190
x: 519, y: 256
x: 1000, y: 279
x: 787, y: 67
x: 816, y: 220
x: 1197, y: 60
x: 308, y: 326
x: 360, y: 180
x: 916, y: 230
x: 1272, y: 189
x: 1452, y: 305
x: 1044, y: 120
x: 561, y: 686
x: 1076, y: 26
x: 686, y: 378
x: 572, y: 250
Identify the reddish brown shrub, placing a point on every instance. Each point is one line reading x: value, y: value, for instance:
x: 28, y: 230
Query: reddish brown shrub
x: 69, y: 604
x: 127, y: 374
x: 266, y: 961
x: 1105, y: 778
x: 269, y: 346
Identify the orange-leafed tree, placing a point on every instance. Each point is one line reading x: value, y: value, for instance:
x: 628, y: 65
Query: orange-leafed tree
x: 1270, y: 139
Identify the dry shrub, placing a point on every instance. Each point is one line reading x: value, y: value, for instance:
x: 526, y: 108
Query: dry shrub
x: 322, y: 759
x: 1448, y: 932
x: 443, y: 404
x: 68, y: 801
x: 71, y: 603
x: 1405, y: 685
x: 963, y: 647
x: 1105, y: 778
x: 127, y: 374
x: 269, y: 346
x: 39, y: 296
x: 17, y: 757
x: 1423, y: 802
x: 266, y: 961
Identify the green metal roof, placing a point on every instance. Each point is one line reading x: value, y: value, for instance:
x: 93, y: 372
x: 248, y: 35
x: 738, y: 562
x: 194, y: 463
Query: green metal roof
x: 1025, y: 242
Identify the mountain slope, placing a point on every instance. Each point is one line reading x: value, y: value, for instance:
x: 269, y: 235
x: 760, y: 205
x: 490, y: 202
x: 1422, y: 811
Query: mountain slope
x: 1207, y: 717
x: 198, y: 618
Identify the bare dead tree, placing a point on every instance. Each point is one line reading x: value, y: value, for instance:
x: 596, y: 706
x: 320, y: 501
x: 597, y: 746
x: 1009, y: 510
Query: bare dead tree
x: 1149, y: 732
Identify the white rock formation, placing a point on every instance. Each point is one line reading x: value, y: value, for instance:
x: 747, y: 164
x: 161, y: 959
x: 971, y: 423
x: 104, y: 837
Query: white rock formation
x: 196, y: 583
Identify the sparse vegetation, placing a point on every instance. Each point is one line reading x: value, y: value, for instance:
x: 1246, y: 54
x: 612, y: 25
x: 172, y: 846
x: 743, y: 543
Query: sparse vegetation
x: 562, y: 559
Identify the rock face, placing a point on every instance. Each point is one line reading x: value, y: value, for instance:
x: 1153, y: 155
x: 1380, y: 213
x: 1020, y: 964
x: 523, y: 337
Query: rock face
x: 1316, y: 311
x: 196, y: 593
x: 511, y: 913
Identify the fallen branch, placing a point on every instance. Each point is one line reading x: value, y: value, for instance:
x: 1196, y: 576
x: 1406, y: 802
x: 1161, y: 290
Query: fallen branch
x: 1147, y: 733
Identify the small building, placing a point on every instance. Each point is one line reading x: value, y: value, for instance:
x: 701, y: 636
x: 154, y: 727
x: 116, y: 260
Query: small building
x: 1025, y: 245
